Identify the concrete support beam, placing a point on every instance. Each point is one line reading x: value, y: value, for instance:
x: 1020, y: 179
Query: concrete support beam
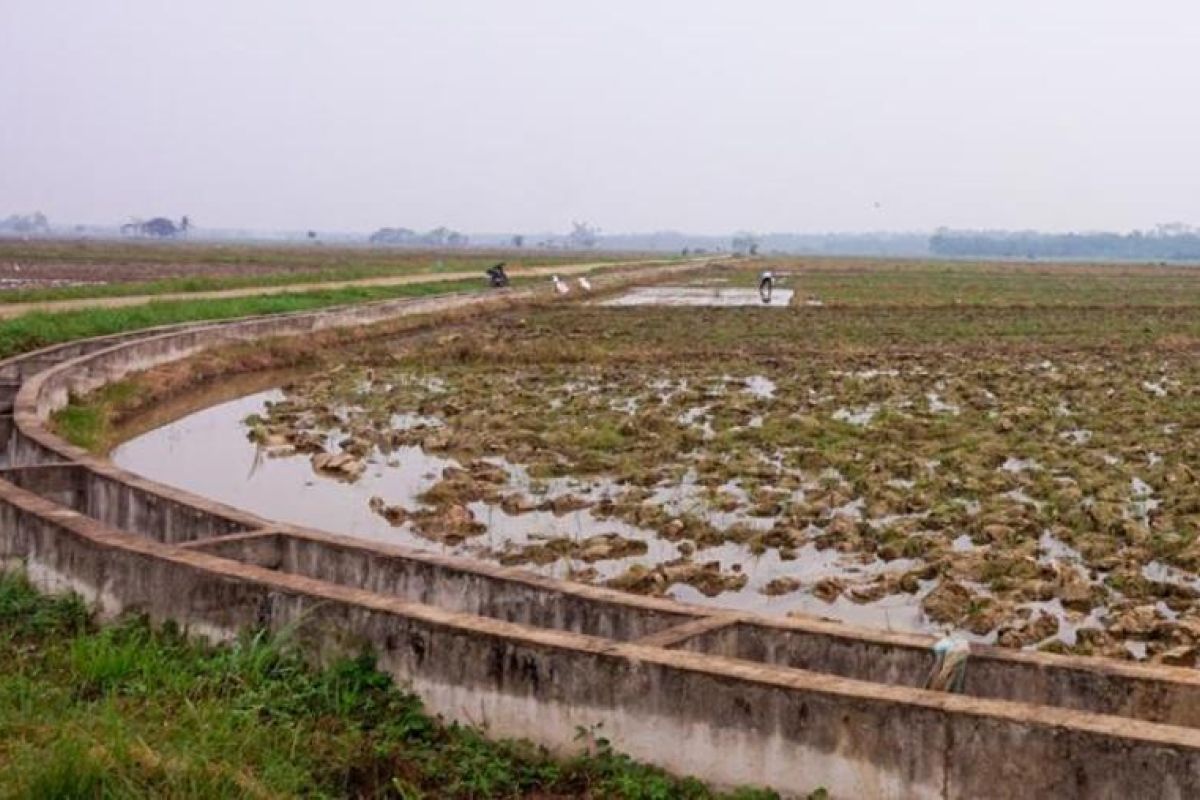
x: 678, y: 634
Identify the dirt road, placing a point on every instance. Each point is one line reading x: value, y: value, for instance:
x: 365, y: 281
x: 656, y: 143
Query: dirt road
x: 10, y: 310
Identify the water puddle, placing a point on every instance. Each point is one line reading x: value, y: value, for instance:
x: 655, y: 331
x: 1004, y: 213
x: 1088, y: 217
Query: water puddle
x: 209, y: 453
x: 1054, y: 550
x: 939, y: 406
x: 1156, y: 388
x: 1077, y: 436
x: 725, y: 296
x: 1018, y: 465
x: 760, y: 386
x: 1164, y: 573
x: 856, y: 416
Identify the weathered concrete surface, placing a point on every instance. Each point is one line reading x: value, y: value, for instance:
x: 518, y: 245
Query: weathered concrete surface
x: 731, y: 698
x: 503, y: 593
x: 1156, y: 694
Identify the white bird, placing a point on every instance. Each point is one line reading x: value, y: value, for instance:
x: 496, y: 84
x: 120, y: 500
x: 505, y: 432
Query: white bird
x: 585, y: 284
x: 559, y: 286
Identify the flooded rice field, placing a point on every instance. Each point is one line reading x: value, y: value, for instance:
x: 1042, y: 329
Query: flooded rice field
x: 560, y: 526
x: 1015, y: 476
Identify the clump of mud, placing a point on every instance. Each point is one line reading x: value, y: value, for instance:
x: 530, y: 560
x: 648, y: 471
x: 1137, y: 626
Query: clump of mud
x: 600, y: 547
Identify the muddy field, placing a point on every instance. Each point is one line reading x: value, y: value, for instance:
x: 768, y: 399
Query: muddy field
x: 1013, y: 459
x: 51, y: 264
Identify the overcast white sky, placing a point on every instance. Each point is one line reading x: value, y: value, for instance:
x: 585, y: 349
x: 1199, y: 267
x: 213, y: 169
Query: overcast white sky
x: 638, y: 115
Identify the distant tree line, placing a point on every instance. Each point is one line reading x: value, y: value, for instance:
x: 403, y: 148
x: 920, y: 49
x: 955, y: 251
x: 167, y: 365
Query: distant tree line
x: 1174, y: 241
x: 827, y: 244
x: 25, y: 224
x: 582, y: 236
x: 438, y: 237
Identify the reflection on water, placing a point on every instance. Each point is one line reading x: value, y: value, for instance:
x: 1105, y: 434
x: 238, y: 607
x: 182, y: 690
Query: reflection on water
x: 698, y: 296
x: 207, y: 452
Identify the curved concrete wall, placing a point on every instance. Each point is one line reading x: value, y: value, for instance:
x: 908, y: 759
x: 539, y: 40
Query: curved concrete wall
x: 732, y: 698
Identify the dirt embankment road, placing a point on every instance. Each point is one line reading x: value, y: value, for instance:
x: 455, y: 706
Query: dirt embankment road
x: 10, y: 310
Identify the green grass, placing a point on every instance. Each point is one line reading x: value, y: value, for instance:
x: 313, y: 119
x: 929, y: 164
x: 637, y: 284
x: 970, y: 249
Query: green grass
x: 218, y: 267
x: 86, y: 422
x: 81, y: 425
x: 202, y: 283
x: 128, y: 711
x: 41, y: 329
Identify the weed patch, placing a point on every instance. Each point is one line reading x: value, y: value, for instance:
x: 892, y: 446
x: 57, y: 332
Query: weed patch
x: 131, y: 711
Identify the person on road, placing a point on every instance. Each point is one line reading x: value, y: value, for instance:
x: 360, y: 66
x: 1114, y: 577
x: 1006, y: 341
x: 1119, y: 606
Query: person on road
x: 497, y: 277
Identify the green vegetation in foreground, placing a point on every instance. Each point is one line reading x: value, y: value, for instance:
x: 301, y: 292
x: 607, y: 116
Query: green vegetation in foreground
x: 41, y: 329
x: 128, y: 711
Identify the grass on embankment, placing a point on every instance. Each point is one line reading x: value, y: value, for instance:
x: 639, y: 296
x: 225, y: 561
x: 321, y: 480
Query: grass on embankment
x: 212, y: 283
x: 221, y: 267
x: 87, y: 425
x: 41, y: 329
x: 129, y: 711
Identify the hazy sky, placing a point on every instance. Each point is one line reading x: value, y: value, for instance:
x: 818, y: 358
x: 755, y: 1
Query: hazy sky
x: 656, y: 114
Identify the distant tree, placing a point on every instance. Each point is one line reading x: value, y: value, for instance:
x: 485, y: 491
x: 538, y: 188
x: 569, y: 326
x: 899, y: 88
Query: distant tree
x: 745, y: 243
x: 518, y: 241
x: 311, y: 235
x: 583, y: 235
x: 26, y: 224
x: 393, y: 236
x: 456, y: 239
x: 436, y: 237
x: 1171, y: 229
x: 185, y: 224
x: 160, y: 227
